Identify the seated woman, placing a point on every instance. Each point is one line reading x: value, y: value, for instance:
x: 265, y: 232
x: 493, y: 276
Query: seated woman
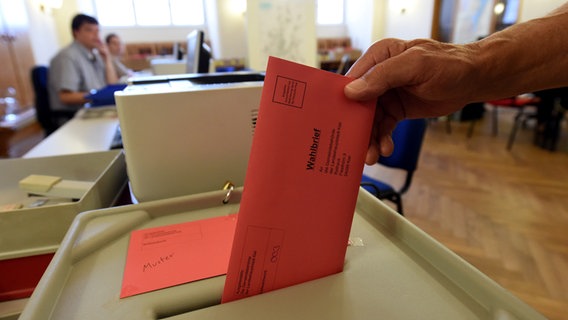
x: 116, y: 48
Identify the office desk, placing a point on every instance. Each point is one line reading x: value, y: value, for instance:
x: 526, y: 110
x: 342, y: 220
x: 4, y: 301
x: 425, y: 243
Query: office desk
x: 13, y: 128
x: 84, y: 133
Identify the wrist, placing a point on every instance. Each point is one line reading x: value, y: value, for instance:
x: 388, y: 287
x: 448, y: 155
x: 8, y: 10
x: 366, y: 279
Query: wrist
x: 496, y: 63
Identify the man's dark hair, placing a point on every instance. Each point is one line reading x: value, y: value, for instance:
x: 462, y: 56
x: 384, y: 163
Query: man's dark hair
x: 81, y: 19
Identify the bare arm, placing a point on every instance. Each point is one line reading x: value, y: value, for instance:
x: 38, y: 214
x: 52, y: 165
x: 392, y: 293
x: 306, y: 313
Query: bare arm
x: 72, y: 97
x: 534, y: 57
x: 110, y: 71
x: 425, y: 78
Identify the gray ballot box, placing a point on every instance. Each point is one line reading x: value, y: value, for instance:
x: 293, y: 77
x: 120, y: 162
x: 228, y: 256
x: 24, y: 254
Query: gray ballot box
x: 395, y: 271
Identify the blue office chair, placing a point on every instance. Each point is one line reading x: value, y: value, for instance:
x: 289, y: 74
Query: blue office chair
x: 407, y: 136
x: 49, y: 119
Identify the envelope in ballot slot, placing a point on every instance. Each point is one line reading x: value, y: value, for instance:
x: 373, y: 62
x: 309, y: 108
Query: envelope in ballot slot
x: 302, y: 181
x: 170, y: 255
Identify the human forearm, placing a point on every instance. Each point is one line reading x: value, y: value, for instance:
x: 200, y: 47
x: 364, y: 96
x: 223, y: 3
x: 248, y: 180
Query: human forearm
x: 72, y: 97
x: 523, y: 58
x: 110, y: 72
x: 111, y: 75
x: 425, y: 78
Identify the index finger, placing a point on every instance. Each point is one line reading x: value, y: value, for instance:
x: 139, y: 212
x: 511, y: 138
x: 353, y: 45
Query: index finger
x: 377, y: 53
x: 377, y: 70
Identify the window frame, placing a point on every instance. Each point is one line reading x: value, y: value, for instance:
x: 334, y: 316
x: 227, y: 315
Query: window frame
x: 136, y: 24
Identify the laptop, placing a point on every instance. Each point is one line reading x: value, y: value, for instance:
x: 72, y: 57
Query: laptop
x: 187, y: 135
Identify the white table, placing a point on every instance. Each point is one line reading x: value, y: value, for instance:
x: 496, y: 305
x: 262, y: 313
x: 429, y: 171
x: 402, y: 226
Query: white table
x: 91, y: 130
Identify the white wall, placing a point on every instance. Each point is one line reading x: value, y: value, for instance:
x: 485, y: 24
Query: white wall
x: 409, y: 19
x: 331, y: 31
x: 359, y: 18
x: 379, y: 26
x: 281, y: 28
x: 371, y: 20
x: 43, y: 35
x: 531, y: 9
x: 230, y: 22
x: 63, y: 17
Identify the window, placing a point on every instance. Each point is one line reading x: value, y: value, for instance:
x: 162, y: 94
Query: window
x: 330, y: 11
x: 149, y: 12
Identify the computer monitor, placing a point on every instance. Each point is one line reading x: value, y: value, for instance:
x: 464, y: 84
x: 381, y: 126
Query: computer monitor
x: 198, y: 53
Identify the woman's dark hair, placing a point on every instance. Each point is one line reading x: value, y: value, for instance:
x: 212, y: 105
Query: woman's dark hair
x: 109, y: 37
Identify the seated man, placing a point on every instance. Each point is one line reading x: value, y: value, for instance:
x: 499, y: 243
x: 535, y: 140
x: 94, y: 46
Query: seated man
x: 80, y: 67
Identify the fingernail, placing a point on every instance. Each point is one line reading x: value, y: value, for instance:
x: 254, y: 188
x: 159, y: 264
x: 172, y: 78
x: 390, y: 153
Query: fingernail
x: 357, y: 85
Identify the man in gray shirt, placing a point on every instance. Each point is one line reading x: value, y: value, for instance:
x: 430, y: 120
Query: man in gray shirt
x: 80, y: 67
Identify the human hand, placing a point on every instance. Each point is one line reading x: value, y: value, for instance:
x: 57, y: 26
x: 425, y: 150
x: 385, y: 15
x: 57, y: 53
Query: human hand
x: 411, y: 79
x: 103, y: 50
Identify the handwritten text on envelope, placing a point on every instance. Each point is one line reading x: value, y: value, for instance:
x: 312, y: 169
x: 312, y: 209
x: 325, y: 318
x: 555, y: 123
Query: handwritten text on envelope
x: 170, y: 255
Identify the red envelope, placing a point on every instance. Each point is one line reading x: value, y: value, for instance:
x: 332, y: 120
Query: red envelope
x: 170, y: 255
x: 302, y: 181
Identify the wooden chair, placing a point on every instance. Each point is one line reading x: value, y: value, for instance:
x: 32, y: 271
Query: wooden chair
x: 344, y: 64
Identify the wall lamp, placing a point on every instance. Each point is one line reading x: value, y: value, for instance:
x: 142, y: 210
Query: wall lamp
x: 48, y: 5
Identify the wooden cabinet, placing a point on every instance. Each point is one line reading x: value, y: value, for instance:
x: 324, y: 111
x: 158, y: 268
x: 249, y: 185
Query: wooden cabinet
x: 327, y: 44
x: 16, y: 55
x: 335, y: 53
x: 137, y: 56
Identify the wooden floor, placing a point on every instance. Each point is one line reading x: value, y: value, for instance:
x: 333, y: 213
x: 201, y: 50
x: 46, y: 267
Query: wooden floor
x: 505, y: 212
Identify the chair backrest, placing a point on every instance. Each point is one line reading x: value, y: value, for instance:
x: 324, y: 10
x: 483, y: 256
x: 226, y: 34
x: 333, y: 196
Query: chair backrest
x: 344, y: 64
x: 407, y: 137
x: 43, y: 109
